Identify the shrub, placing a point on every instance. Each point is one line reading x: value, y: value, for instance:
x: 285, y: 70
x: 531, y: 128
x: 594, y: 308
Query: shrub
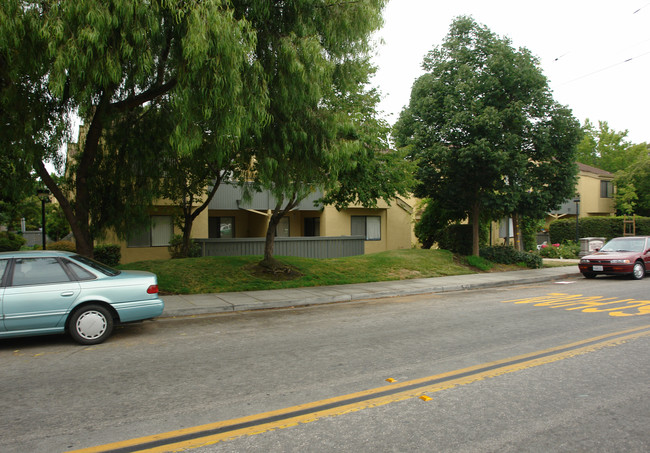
x: 176, y: 248
x: 479, y: 262
x: 10, y: 242
x: 508, y: 255
x: 550, y: 251
x: 568, y: 250
x: 109, y: 254
x: 68, y: 246
x: 457, y: 238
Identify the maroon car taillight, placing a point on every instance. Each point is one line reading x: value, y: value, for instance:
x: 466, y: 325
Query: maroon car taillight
x: 153, y: 289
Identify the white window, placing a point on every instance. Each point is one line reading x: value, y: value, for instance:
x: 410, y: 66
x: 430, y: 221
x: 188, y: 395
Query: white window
x: 157, y: 234
x: 367, y: 226
x: 606, y: 189
x: 221, y: 227
x: 162, y: 230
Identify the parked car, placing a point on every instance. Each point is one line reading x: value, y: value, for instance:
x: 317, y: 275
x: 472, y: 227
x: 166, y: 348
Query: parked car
x: 620, y: 256
x: 48, y: 292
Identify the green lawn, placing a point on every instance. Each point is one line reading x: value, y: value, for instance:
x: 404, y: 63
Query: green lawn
x: 221, y: 274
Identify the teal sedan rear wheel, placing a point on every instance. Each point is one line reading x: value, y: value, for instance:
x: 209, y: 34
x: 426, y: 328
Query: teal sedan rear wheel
x: 90, y: 324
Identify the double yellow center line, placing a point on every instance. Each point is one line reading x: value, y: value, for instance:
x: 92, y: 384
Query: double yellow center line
x: 216, y: 432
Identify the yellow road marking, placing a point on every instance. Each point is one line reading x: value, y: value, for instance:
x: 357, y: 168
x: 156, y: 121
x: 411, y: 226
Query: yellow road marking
x: 589, y: 304
x: 213, y: 433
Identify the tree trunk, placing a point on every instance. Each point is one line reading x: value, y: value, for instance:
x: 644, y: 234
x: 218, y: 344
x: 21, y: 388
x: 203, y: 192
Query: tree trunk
x: 187, y: 234
x: 83, y: 238
x: 476, y: 210
x: 189, y: 216
x: 515, y: 232
x: 268, y: 261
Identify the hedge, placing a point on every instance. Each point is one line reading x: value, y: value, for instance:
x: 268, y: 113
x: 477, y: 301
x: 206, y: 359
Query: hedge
x: 608, y: 227
x: 508, y: 255
x: 108, y: 254
x: 10, y: 242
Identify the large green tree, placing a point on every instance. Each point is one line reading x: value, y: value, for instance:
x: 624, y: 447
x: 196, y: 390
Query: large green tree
x: 608, y: 149
x: 482, y: 125
x: 109, y: 62
x: 633, y: 187
x: 315, y: 58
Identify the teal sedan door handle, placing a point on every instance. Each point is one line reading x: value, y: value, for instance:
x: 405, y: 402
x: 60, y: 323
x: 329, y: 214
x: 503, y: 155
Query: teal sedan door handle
x: 67, y: 294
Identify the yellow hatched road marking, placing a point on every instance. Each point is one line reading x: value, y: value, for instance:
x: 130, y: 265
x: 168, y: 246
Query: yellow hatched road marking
x: 213, y: 433
x: 615, y: 306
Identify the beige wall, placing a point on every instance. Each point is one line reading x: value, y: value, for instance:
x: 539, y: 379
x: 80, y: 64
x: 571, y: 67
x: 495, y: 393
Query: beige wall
x: 396, y: 227
x: 591, y: 203
x: 131, y: 254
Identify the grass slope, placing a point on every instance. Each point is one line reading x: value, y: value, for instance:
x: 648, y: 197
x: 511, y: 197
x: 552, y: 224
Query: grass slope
x: 239, y: 273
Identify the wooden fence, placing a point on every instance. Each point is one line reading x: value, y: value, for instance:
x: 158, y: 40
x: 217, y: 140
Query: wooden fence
x: 306, y: 247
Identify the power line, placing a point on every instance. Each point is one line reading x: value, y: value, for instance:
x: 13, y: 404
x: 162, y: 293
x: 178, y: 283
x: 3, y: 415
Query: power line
x: 606, y: 68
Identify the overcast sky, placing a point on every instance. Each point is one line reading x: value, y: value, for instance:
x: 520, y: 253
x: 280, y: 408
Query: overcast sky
x: 596, y: 54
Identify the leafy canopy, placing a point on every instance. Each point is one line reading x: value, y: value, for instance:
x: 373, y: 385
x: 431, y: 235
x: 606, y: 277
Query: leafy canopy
x: 482, y: 125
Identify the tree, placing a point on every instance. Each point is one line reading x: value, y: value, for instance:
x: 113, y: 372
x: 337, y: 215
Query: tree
x: 483, y: 127
x: 633, y: 187
x: 608, y: 149
x: 549, y: 175
x: 314, y: 55
x: 371, y: 171
x: 192, y: 180
x: 109, y: 62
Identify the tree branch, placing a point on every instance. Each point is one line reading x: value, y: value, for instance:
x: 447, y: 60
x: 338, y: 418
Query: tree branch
x: 147, y: 96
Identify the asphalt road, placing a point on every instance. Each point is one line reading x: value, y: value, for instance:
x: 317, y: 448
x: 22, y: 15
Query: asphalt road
x: 254, y: 368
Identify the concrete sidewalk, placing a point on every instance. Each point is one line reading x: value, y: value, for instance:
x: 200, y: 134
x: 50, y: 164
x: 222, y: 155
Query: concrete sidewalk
x: 183, y: 305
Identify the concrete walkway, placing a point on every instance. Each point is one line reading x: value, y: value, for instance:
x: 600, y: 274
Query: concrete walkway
x: 183, y: 305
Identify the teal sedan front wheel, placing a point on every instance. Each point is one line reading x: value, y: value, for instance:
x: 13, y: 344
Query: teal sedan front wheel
x: 90, y: 324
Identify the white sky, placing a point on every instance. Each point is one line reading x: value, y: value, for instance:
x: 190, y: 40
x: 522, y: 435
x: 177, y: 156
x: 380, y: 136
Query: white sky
x: 582, y: 47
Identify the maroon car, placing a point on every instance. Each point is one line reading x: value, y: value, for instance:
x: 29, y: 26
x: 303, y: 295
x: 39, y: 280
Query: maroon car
x: 620, y: 256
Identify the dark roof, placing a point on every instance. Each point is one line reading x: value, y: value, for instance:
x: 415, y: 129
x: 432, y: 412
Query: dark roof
x: 595, y: 170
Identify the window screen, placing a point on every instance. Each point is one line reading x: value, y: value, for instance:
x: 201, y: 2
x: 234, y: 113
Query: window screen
x: 161, y: 230
x: 367, y: 226
x: 157, y: 234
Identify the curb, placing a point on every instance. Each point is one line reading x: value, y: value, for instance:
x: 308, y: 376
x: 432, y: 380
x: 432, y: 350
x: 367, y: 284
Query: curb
x: 218, y: 303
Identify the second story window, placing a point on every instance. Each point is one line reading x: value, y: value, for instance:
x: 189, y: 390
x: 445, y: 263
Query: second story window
x: 606, y: 189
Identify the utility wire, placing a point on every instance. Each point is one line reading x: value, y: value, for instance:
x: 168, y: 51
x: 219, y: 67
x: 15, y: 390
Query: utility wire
x: 605, y: 68
x: 608, y: 67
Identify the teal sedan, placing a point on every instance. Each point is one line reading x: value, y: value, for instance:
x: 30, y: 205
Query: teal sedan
x: 49, y: 292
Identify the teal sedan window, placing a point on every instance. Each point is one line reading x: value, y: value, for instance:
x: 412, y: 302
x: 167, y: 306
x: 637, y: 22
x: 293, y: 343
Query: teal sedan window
x: 80, y: 272
x: 3, y: 267
x: 38, y: 271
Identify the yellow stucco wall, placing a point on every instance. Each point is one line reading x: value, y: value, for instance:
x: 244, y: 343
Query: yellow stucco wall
x: 396, y: 225
x: 131, y: 254
x: 591, y: 203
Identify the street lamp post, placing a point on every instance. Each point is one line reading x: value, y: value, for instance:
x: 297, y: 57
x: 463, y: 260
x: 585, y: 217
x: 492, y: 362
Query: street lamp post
x: 576, y: 200
x: 44, y: 196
